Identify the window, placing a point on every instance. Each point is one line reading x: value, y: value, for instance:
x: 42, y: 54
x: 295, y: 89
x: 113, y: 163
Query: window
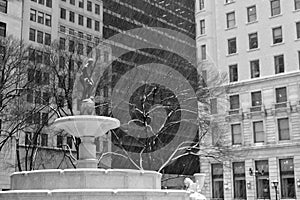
x: 256, y: 101
x: 61, y: 81
x: 213, y: 106
x: 277, y: 35
x: 62, y: 43
x: 262, y: 180
x: 48, y: 20
x: 297, y: 4
x: 279, y: 64
x: 41, y: 2
x: 2, y: 29
x: 81, y: 4
x: 203, y: 52
x: 298, y: 30
x: 59, y: 141
x: 71, y: 31
x: 46, y: 59
x: 38, y: 79
x: 45, y: 118
x: 88, y: 50
x: 89, y: 37
x: 37, y: 97
x: 232, y: 46
x: 281, y: 96
x: 287, y: 179
x: 217, y: 181
x: 71, y: 46
x: 234, y: 101
x: 40, y: 36
x: 97, y: 26
x: 72, y: 2
x: 71, y: 16
x: 40, y: 17
x: 62, y: 13
x: 80, y: 49
x: 46, y: 81
x: 239, y: 180
x: 251, y: 14
x: 44, y: 139
x: 97, y: 9
x: 202, y: 27
x: 230, y: 19
x: 275, y: 7
x: 258, y: 132
x: 61, y: 62
x: 229, y: 1
x: 283, y: 129
x: 62, y: 28
x: 89, y: 6
x: 3, y: 6
x: 29, y: 96
x: 254, y: 66
x: 80, y: 20
x: 70, y: 141
x: 47, y: 39
x: 236, y: 133
x: 233, y: 73
x: 89, y: 22
x: 299, y: 58
x: 49, y: 3
x: 253, y: 41
x: 33, y: 15
x: 80, y: 34
x: 39, y: 56
x: 201, y: 4
x: 31, y: 34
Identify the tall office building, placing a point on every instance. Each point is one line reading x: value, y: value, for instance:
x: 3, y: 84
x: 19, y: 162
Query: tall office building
x: 258, y: 44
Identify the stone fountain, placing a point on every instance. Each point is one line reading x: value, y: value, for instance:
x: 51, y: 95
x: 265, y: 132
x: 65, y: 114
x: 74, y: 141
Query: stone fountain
x: 87, y: 182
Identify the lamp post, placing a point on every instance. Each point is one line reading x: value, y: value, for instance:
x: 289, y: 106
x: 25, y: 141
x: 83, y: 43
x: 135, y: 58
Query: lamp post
x: 275, y: 185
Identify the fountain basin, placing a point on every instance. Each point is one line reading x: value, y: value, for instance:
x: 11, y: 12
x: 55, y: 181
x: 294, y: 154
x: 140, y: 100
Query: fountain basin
x: 85, y: 179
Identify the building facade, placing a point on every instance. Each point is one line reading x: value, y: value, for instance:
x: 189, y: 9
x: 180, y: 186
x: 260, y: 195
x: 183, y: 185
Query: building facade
x: 257, y: 44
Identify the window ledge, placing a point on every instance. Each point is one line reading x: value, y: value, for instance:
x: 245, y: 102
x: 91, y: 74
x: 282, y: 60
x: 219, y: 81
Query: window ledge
x: 201, y: 11
x: 201, y: 36
x: 275, y: 16
x: 229, y: 3
x: 254, y: 49
x: 232, y: 54
x: 297, y: 39
x: 277, y: 44
x: 295, y: 11
x: 253, y: 22
x: 231, y: 28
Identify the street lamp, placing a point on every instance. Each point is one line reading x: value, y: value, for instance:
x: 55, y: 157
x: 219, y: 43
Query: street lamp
x: 275, y: 185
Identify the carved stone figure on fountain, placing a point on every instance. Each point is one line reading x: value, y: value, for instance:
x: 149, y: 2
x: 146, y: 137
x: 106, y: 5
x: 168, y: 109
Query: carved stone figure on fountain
x: 194, y: 189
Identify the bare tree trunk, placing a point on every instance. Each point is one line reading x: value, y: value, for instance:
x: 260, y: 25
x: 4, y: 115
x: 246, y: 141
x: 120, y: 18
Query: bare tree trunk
x: 18, y: 155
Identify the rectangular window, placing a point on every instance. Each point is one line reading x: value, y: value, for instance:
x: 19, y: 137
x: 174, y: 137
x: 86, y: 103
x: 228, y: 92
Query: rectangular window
x: 81, y: 4
x: 37, y: 97
x: 233, y: 73
x: 62, y: 13
x: 281, y: 97
x: 275, y: 7
x: 71, y: 31
x: 256, y: 99
x: 60, y: 101
x: 2, y: 29
x: 232, y: 46
x: 254, y: 66
x: 80, y: 49
x: 46, y: 78
x: 201, y: 4
x: 49, y: 3
x: 230, y: 19
x: 45, y: 118
x: 298, y: 30
x: 202, y: 27
x: 251, y: 14
x: 279, y: 64
x: 299, y: 58
x: 40, y: 37
x: 88, y: 50
x: 59, y: 141
x: 39, y: 57
x: 32, y: 34
x: 277, y: 35
x: 31, y: 55
x: 41, y: 2
x: 283, y: 129
x: 97, y: 9
x: 287, y: 178
x: 72, y: 2
x: 262, y: 179
x: 62, y: 28
x: 29, y: 96
x: 203, y: 52
x: 47, y: 39
x: 38, y: 79
x: 40, y: 17
x: 70, y: 141
x: 97, y: 25
x: 239, y: 180
x: 80, y: 20
x: 88, y: 22
x: 253, y: 41
x: 80, y: 34
x: 217, y: 181
x: 61, y: 62
x: 44, y: 139
x: 71, y: 46
x: 213, y: 106
x: 71, y: 16
x: 258, y: 132
x: 297, y: 4
x: 33, y: 15
x: 48, y: 20
x: 88, y: 37
x: 62, y: 43
x: 236, y: 133
x: 3, y: 6
x: 61, y: 81
x: 89, y: 6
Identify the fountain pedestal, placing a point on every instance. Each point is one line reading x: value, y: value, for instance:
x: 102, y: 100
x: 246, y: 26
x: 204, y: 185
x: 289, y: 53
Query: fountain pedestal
x: 87, y: 182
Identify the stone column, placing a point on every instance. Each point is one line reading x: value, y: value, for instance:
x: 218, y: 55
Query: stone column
x: 87, y: 153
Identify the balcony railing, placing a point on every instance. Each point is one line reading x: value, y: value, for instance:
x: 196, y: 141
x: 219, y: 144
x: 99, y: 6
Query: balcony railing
x: 281, y: 105
x: 234, y: 111
x: 256, y: 108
